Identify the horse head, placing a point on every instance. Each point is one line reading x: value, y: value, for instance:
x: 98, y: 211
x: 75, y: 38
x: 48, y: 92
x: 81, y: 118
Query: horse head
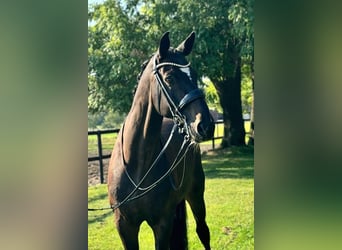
x: 176, y: 94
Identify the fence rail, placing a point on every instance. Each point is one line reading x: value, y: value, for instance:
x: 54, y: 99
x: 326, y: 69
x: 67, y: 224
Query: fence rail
x: 102, y: 156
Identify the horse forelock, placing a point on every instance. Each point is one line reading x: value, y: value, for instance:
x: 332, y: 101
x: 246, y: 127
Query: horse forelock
x: 173, y: 56
x: 176, y: 56
x: 187, y: 72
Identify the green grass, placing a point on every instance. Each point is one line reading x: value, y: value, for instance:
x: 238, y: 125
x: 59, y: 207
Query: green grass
x: 107, y: 140
x: 229, y: 197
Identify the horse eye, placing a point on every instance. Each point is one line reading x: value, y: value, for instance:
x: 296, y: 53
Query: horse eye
x: 168, y: 79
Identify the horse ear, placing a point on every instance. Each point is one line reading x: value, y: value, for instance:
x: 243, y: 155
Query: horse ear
x: 186, y: 46
x: 164, y: 45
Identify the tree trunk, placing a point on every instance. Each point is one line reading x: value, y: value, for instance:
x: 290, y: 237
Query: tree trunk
x: 229, y: 91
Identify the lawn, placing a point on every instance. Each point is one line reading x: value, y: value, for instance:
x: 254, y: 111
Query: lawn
x: 229, y: 197
x: 107, y: 141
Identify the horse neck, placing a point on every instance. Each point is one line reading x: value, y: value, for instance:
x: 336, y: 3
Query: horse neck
x: 141, y: 135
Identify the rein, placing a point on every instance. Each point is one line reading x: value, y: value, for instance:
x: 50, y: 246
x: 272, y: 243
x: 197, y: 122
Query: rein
x: 147, y: 189
x: 179, y: 121
x: 167, y: 173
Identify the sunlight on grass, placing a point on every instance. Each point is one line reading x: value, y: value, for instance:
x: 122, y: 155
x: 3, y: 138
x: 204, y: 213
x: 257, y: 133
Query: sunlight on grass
x: 229, y: 197
x: 107, y: 140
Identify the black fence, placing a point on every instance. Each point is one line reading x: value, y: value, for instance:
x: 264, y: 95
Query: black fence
x: 100, y: 156
x: 217, y: 135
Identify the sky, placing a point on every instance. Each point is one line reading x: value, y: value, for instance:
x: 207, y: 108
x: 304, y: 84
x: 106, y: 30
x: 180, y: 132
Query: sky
x: 94, y: 1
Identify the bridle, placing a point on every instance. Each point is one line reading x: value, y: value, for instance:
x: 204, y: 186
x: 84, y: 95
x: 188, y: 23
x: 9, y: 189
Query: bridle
x: 176, y: 110
x: 179, y: 121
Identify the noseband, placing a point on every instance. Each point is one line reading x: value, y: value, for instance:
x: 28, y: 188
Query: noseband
x: 176, y: 110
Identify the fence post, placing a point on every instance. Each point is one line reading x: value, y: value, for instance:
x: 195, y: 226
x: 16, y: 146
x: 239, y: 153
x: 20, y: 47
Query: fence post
x: 99, y: 146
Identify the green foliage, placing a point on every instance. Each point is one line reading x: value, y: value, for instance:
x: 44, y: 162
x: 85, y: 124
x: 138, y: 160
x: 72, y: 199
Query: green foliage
x: 122, y: 36
x: 211, y: 95
x: 103, y: 120
x: 246, y: 95
x: 246, y: 88
x: 95, y: 120
x: 116, y: 49
x: 113, y: 120
x: 241, y: 16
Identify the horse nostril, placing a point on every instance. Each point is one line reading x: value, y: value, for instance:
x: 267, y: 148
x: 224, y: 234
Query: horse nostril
x: 200, y: 129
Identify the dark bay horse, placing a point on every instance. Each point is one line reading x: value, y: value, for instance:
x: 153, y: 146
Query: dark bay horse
x: 156, y: 163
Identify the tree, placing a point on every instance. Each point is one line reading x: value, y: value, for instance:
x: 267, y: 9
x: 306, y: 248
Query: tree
x: 124, y: 35
x: 225, y: 42
x: 116, y: 47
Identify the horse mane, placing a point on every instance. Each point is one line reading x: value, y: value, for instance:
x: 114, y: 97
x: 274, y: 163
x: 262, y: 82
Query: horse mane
x: 142, y: 68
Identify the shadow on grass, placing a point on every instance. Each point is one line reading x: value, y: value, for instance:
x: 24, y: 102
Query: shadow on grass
x: 98, y: 197
x: 98, y: 216
x: 234, y: 163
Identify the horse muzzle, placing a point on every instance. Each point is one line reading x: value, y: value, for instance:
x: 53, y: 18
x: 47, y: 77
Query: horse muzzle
x: 201, y: 130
